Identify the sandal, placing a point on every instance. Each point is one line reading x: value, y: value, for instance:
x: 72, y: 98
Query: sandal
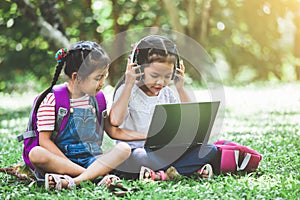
x: 146, y: 173
x: 57, y: 179
x: 208, y: 168
x: 115, y: 186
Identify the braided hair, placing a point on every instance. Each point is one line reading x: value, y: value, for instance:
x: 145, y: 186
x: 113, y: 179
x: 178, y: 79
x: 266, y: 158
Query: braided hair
x: 83, y: 57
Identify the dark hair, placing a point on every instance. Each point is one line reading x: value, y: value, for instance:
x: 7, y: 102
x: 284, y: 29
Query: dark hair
x: 83, y: 57
x: 153, y: 48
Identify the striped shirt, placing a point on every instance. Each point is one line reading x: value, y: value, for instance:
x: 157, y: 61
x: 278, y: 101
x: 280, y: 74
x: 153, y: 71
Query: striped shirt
x: 46, y: 111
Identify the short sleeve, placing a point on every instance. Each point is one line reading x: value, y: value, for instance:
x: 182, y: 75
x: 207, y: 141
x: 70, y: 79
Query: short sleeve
x: 118, y: 93
x: 46, y: 114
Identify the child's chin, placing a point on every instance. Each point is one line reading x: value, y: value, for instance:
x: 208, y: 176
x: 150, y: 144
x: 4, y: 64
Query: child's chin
x: 98, y: 89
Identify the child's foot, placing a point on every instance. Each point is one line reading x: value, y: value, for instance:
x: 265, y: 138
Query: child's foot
x: 147, y: 173
x: 114, y: 184
x: 205, y: 172
x: 58, y: 181
x: 108, y: 180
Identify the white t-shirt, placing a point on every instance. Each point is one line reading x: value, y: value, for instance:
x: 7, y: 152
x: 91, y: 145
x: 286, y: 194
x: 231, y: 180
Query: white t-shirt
x: 140, y: 109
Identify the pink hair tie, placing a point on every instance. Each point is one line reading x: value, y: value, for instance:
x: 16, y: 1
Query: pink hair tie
x: 60, y: 54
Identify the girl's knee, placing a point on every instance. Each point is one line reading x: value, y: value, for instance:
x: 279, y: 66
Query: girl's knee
x: 37, y: 155
x: 125, y: 148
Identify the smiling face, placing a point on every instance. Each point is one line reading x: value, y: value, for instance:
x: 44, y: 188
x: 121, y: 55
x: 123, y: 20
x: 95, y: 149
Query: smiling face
x: 157, y: 75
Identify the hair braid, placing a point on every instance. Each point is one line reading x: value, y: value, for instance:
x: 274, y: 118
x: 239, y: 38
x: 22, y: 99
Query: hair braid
x: 48, y: 90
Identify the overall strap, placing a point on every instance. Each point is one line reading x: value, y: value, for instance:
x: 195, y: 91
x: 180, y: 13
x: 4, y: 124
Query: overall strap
x: 62, y: 108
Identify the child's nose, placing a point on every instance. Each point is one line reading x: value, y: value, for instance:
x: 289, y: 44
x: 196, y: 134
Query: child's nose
x: 160, y: 81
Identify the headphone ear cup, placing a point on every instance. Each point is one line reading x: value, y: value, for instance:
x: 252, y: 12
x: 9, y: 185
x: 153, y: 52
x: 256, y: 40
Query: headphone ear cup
x: 173, y: 74
x: 174, y: 71
x: 139, y: 71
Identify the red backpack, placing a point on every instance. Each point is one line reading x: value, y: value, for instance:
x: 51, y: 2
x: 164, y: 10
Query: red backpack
x: 62, y: 111
x: 237, y: 158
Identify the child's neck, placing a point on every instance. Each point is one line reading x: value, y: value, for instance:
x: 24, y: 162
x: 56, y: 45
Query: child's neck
x: 74, y: 93
x: 145, y: 89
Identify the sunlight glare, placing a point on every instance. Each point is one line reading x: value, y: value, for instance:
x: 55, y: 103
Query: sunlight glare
x: 97, y: 5
x: 221, y: 26
x: 266, y: 9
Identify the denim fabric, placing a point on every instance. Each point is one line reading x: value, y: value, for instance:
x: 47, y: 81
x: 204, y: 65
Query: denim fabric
x: 194, y: 158
x: 188, y: 161
x: 79, y: 141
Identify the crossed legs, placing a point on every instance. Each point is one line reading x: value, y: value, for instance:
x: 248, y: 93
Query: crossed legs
x: 51, y: 163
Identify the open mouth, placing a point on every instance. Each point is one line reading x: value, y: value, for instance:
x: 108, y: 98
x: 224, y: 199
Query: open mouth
x: 157, y: 89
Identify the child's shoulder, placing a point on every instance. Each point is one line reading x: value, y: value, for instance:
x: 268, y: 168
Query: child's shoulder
x: 49, y: 99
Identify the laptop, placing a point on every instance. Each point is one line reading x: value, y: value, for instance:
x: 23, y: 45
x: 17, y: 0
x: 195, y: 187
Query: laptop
x: 181, y: 125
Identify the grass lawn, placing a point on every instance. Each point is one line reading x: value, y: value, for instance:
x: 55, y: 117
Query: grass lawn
x: 263, y: 117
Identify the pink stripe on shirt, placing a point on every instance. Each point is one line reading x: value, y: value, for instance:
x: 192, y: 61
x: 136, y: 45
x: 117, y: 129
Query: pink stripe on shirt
x: 46, y: 111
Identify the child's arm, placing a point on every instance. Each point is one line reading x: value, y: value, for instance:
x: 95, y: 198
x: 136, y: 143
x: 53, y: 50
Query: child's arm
x: 119, y: 107
x: 122, y: 134
x: 46, y: 142
x: 179, y: 83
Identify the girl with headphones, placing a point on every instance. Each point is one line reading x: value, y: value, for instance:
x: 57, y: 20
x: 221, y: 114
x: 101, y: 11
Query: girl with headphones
x: 153, y: 64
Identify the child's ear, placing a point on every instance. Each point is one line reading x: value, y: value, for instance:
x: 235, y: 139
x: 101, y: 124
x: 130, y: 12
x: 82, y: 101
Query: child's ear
x: 74, y: 76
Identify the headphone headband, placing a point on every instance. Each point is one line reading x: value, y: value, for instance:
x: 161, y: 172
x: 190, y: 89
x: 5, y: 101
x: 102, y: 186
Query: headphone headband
x: 143, y: 45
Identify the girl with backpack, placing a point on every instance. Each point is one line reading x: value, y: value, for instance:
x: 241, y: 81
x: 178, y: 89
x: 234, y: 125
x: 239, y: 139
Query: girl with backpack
x: 75, y: 154
x: 154, y: 63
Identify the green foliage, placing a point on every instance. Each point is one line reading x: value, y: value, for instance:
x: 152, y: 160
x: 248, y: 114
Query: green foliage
x: 253, y: 36
x: 256, y: 37
x: 24, y: 55
x: 267, y: 120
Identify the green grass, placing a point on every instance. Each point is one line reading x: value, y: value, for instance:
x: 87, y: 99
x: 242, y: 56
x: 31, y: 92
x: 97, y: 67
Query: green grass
x: 265, y: 118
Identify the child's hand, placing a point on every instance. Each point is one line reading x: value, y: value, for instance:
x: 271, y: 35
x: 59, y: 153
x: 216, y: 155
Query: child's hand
x: 132, y: 73
x: 179, y: 76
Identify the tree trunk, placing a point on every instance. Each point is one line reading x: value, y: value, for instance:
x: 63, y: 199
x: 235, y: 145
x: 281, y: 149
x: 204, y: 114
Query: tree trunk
x: 49, y: 32
x: 206, y: 6
x: 297, y: 42
x: 170, y: 7
x: 51, y: 14
x: 118, y: 49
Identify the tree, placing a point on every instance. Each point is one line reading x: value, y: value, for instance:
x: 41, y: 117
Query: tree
x: 247, y: 34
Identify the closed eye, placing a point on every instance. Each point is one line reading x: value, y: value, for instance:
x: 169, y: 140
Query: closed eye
x: 155, y: 75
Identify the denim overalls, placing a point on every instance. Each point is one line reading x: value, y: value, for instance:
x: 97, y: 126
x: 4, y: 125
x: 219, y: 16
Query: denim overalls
x: 80, y: 140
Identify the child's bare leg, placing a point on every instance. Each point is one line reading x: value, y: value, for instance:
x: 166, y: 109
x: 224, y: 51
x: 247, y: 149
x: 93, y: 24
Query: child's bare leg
x: 100, y: 167
x: 49, y: 162
x: 105, y: 163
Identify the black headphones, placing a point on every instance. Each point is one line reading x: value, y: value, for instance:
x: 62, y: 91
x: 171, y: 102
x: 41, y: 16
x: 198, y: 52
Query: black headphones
x: 144, y: 47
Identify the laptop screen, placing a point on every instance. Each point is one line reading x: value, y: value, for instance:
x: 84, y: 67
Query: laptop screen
x: 183, y: 124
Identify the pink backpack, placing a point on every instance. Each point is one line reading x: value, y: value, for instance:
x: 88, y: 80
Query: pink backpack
x: 237, y: 158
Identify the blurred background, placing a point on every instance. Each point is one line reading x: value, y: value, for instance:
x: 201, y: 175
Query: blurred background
x: 248, y: 40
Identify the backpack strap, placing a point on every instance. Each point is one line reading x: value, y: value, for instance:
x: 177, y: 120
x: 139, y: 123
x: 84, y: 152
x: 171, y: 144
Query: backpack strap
x: 102, y: 108
x: 101, y: 101
x: 62, y: 108
x: 100, y: 105
x: 30, y: 132
x: 244, y: 162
